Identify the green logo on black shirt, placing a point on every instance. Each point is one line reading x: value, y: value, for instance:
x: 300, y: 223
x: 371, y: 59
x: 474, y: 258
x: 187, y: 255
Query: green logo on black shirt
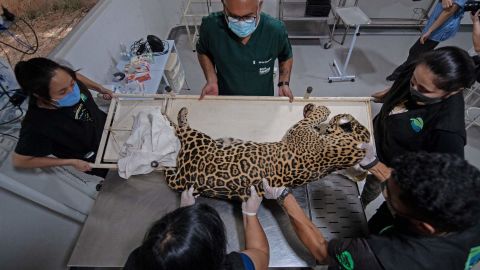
x: 417, y: 124
x: 346, y: 261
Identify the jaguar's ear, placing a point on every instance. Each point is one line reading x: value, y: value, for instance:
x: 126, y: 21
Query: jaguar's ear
x: 345, y: 123
x: 347, y: 127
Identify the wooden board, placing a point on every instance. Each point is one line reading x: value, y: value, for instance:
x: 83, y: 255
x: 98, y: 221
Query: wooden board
x: 260, y: 119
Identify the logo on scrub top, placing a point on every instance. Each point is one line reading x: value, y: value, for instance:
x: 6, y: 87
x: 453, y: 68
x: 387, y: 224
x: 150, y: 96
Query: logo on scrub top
x: 417, y: 124
x: 264, y: 70
x: 345, y: 259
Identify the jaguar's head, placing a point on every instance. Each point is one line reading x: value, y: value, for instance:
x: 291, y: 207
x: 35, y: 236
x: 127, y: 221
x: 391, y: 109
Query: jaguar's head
x: 346, y: 126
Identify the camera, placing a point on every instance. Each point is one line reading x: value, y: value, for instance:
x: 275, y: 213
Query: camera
x: 472, y: 6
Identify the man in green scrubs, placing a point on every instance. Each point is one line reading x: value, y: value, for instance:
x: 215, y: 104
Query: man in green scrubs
x: 237, y: 49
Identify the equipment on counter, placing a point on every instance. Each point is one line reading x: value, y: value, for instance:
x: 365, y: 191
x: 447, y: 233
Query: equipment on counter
x: 153, y: 44
x: 156, y: 44
x: 118, y: 76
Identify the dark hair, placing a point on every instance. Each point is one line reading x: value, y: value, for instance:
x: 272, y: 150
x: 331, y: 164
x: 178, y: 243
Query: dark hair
x: 191, y: 237
x: 453, y: 68
x: 441, y: 189
x: 34, y: 76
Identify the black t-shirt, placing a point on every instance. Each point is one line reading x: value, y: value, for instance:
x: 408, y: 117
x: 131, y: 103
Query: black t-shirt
x: 142, y: 260
x: 237, y: 261
x: 67, y: 132
x: 394, y: 249
x: 437, y: 128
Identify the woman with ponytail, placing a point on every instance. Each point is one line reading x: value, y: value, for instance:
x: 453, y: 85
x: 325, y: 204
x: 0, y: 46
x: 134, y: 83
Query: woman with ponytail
x: 423, y: 111
x: 63, y: 125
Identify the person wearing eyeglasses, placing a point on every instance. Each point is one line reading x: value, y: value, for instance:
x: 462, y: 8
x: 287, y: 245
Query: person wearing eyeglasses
x: 62, y: 118
x: 434, y: 198
x: 237, y: 49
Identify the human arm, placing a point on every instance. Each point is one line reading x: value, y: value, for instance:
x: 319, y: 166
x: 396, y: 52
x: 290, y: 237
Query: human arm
x: 379, y: 96
x: 211, y: 87
x: 205, y: 58
x: 476, y: 31
x: 371, y: 163
x: 442, y: 18
x: 306, y: 231
x: 285, y: 69
x: 447, y: 3
x: 339, y: 253
x: 30, y: 162
x: 107, y: 94
x: 285, y: 62
x: 187, y: 198
x: 381, y: 171
x: 256, y: 243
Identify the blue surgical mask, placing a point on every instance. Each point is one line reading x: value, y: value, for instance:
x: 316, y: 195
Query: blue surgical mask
x: 242, y: 29
x: 71, y: 98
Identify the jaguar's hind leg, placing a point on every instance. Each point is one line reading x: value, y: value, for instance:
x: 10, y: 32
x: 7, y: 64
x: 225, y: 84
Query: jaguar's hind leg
x: 182, y: 117
x: 318, y: 115
x: 308, y: 109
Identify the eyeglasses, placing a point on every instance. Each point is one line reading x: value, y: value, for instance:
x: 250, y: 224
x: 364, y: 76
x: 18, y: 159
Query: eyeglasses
x: 247, y: 19
x: 233, y: 19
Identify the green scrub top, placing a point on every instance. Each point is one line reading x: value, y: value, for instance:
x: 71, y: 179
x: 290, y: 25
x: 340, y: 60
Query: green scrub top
x: 245, y: 70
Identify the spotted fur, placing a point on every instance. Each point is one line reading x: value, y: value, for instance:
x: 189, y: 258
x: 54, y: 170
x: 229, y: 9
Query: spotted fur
x: 226, y: 168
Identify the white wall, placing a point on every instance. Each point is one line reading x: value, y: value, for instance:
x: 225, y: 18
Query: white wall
x: 94, y: 43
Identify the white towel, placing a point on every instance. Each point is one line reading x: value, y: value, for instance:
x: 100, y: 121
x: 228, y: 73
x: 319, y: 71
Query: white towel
x: 152, y: 139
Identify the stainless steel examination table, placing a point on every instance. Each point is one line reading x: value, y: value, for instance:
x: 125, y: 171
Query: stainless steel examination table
x: 125, y: 209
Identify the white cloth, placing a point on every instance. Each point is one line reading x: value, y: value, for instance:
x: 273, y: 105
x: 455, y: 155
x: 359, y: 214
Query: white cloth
x: 152, y: 139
